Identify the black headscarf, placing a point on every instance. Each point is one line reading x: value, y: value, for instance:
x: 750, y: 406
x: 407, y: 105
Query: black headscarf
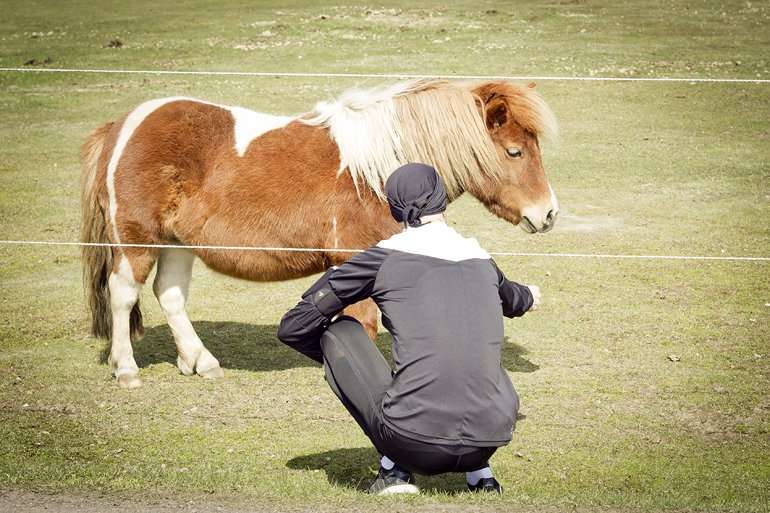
x: 415, y: 190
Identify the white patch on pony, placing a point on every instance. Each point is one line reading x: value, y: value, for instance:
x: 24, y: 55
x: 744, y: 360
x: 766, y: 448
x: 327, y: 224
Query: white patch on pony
x: 554, y: 201
x: 538, y: 214
x: 250, y: 124
x: 435, y: 239
x: 130, y: 125
x: 171, y: 287
x: 124, y: 293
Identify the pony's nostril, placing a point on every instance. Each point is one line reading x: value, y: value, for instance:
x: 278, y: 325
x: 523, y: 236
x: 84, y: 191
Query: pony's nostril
x: 550, y: 220
x: 528, y: 225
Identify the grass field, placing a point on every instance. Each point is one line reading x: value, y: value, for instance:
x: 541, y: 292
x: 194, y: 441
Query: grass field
x: 610, y: 422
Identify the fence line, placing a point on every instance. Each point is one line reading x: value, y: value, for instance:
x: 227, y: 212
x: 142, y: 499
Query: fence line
x: 389, y: 75
x: 352, y: 250
x: 397, y: 76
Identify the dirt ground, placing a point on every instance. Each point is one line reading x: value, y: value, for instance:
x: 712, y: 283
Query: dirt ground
x: 22, y: 501
x: 37, y: 502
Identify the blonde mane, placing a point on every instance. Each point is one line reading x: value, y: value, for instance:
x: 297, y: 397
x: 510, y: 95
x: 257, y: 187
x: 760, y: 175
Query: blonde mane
x: 431, y: 121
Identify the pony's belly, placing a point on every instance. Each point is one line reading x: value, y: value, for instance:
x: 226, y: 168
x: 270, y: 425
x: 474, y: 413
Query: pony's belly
x: 258, y: 265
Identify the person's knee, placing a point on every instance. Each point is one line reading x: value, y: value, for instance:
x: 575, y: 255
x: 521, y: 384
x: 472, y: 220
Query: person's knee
x: 343, y: 330
x: 347, y: 327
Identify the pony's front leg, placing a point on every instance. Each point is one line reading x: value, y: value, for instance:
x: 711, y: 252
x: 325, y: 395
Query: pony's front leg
x: 365, y: 312
x: 124, y: 293
x: 171, y: 287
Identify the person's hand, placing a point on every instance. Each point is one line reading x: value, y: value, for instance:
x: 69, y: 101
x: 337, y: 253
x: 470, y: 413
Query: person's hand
x: 536, y: 296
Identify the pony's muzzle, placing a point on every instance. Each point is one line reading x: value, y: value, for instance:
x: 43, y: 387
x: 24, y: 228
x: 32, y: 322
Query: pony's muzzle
x: 531, y: 223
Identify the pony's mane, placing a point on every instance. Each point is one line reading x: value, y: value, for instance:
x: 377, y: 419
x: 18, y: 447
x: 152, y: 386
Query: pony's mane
x: 431, y: 121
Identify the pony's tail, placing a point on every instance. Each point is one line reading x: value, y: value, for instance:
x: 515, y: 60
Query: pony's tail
x: 97, y: 260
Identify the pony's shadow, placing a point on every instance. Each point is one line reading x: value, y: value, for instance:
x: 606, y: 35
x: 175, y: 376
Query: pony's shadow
x: 255, y: 347
x: 236, y: 345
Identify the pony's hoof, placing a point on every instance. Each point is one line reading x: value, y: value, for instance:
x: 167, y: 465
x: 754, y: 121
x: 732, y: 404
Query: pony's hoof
x: 208, y: 367
x: 129, y: 381
x: 212, y: 373
x: 184, y: 368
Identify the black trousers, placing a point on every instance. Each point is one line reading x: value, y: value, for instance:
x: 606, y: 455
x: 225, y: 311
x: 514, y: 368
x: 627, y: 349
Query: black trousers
x: 359, y: 376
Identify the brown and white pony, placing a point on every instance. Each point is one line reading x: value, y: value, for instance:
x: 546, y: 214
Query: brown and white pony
x: 185, y: 171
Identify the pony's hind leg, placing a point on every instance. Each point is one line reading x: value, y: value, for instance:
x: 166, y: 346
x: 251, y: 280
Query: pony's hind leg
x: 172, y: 282
x: 124, y: 293
x: 366, y: 313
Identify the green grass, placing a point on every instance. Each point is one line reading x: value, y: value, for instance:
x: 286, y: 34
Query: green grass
x: 610, y: 421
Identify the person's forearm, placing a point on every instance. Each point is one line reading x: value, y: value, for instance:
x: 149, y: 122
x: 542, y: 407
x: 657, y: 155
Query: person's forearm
x: 517, y: 299
x: 301, y: 329
x: 302, y: 326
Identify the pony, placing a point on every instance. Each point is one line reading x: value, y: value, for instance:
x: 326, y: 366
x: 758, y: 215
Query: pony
x: 182, y: 171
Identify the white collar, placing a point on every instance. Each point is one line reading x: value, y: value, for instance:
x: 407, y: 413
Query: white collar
x: 435, y: 239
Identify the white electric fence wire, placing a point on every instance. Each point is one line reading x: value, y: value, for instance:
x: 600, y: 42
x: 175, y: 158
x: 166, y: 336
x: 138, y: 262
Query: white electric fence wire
x: 389, y: 75
x: 396, y: 76
x: 350, y: 250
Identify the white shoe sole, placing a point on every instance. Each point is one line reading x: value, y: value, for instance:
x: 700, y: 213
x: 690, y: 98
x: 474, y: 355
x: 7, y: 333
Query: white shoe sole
x: 399, y: 489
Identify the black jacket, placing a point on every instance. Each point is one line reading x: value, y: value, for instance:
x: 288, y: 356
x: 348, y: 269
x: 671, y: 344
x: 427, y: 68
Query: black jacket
x: 442, y: 299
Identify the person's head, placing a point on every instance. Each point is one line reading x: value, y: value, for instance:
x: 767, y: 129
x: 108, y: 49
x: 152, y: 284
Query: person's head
x: 415, y: 191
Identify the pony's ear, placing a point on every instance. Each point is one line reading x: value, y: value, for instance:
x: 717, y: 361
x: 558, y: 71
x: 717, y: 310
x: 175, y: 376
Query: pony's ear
x: 492, y: 104
x: 496, y: 114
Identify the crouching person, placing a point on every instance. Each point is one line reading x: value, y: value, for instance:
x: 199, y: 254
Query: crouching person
x: 448, y: 404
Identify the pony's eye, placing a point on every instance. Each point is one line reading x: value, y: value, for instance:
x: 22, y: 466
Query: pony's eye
x: 513, y: 152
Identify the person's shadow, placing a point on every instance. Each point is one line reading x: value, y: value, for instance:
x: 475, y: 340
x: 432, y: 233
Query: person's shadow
x: 512, y: 358
x: 356, y: 468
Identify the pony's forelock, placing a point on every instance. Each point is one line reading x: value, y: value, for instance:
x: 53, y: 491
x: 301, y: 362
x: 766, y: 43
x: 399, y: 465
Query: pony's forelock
x: 526, y: 105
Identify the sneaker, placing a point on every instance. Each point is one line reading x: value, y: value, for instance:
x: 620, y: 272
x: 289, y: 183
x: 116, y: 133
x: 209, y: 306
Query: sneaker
x: 393, y: 481
x: 486, y: 484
